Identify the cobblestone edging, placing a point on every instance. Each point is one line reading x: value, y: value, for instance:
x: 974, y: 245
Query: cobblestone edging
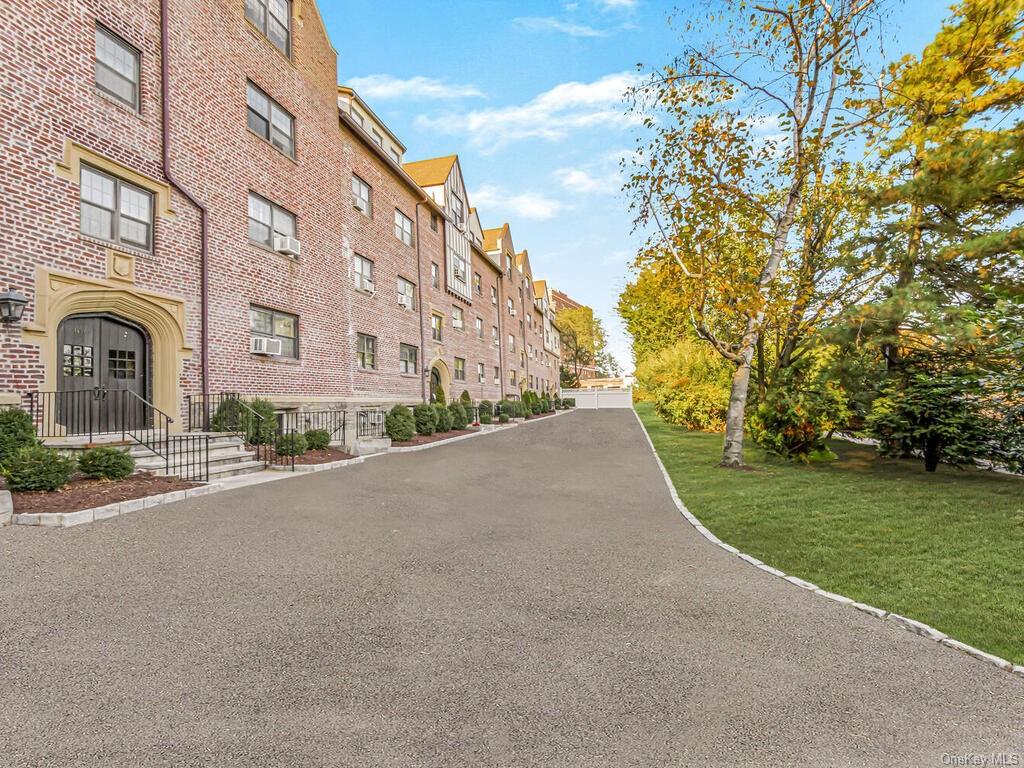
x: 484, y: 430
x: 911, y: 625
x: 83, y: 516
x: 320, y: 467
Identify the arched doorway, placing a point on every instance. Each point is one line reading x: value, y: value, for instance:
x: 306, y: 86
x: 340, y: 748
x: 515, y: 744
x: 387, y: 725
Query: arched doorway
x: 103, y: 364
x: 440, y: 382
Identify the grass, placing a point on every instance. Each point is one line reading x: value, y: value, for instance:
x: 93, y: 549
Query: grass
x: 946, y: 549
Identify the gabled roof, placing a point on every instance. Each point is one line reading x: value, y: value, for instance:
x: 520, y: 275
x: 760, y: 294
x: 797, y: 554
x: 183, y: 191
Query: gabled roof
x: 433, y: 172
x: 540, y: 288
x: 523, y: 262
x: 491, y: 237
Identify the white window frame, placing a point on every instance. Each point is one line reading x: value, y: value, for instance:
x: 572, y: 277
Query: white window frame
x: 134, y: 79
x: 261, y: 13
x: 278, y: 216
x: 403, y: 227
x: 366, y: 351
x: 362, y: 196
x: 115, y: 210
x: 406, y: 290
x: 408, y: 366
x: 363, y: 270
x: 272, y: 114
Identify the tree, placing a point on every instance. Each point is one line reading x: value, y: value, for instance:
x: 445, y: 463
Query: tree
x: 584, y: 345
x: 722, y: 196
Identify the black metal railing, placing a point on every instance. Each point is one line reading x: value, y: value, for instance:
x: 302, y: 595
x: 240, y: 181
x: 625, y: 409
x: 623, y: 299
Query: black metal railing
x: 334, y: 422
x: 90, y: 412
x: 203, y: 413
x: 370, y: 423
x: 188, y: 456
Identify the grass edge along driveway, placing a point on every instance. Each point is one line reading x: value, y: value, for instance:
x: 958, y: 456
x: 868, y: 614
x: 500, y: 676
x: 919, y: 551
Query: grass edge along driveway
x: 946, y: 549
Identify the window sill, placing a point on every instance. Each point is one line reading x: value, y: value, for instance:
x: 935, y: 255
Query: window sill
x: 264, y: 249
x: 368, y: 294
x: 119, y: 247
x: 263, y: 140
x: 409, y: 375
x: 110, y: 99
x: 275, y: 359
x: 371, y: 371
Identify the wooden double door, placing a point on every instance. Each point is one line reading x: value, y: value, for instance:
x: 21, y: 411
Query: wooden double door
x: 102, y: 375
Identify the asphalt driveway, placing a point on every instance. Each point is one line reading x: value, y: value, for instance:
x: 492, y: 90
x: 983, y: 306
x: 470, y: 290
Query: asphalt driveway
x: 531, y: 598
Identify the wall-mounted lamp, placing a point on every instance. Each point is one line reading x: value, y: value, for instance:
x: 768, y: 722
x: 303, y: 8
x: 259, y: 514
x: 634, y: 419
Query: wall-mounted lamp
x: 12, y: 306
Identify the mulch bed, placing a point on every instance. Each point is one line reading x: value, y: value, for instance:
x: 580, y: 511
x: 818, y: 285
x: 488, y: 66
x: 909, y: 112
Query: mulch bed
x: 83, y: 493
x: 325, y: 456
x: 435, y: 438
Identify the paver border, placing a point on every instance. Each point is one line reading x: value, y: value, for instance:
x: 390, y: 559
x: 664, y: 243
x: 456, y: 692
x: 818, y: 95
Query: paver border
x: 299, y: 468
x: 911, y: 625
x: 493, y: 428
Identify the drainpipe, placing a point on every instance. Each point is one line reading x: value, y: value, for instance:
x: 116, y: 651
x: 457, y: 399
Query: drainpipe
x: 419, y: 298
x: 165, y: 111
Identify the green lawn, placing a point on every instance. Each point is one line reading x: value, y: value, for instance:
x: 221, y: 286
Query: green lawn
x: 946, y: 549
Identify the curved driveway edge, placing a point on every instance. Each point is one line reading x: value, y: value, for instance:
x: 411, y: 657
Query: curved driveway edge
x: 911, y: 625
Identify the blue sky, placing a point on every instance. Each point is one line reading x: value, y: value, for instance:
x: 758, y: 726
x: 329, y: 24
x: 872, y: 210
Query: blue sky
x: 527, y: 94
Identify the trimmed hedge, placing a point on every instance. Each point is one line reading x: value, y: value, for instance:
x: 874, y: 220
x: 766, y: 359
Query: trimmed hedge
x: 106, y: 464
x: 399, y: 424
x: 460, y: 420
x: 318, y: 439
x: 486, y: 412
x: 37, y: 468
x: 291, y: 444
x: 426, y: 420
x: 16, y: 432
x: 503, y: 418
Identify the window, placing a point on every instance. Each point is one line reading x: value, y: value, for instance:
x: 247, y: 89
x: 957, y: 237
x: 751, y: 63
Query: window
x: 361, y: 196
x: 460, y: 369
x: 276, y: 325
x: 115, y: 211
x: 457, y: 210
x: 480, y: 375
x: 494, y: 296
x: 117, y: 68
x: 511, y: 343
x: 403, y: 227
x: 406, y: 294
x: 357, y: 117
x: 121, y: 363
x: 78, y: 360
x: 478, y: 284
x: 436, y: 325
x: 497, y: 376
x: 366, y: 352
x: 364, y: 274
x: 377, y: 138
x: 267, y: 220
x: 269, y: 120
x: 433, y: 220
x: 273, y: 19
x: 395, y: 155
x: 511, y: 308
x: 512, y: 377
x: 494, y: 334
x: 408, y: 358
x: 479, y: 327
x: 457, y: 318
x: 435, y: 275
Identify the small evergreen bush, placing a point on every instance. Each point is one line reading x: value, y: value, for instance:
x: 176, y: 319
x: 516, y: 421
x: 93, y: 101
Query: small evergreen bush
x: 37, y: 468
x: 459, y: 418
x: 443, y: 417
x: 465, y: 399
x: 291, y: 444
x: 486, y: 412
x: 318, y: 439
x: 503, y: 418
x: 16, y: 431
x: 426, y: 421
x: 106, y: 464
x: 399, y: 424
x: 260, y: 431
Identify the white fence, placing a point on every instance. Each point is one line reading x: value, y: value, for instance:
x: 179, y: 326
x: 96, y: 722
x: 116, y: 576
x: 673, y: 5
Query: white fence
x: 600, y: 398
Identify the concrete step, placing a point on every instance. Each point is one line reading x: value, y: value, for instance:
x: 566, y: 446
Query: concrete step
x: 227, y: 455
x: 239, y: 468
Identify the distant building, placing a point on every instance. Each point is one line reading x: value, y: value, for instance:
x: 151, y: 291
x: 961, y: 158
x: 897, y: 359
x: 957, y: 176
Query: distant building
x: 560, y: 302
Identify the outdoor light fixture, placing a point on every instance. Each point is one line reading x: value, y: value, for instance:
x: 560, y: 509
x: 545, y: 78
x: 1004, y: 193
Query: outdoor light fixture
x: 12, y: 305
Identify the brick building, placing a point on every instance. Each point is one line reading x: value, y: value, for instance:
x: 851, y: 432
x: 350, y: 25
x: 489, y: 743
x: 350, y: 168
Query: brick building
x: 198, y: 208
x: 560, y: 301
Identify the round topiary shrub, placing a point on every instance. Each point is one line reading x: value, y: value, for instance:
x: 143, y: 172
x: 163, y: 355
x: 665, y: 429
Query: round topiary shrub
x: 106, y: 464
x: 260, y: 431
x: 399, y: 424
x: 443, y: 417
x: 465, y: 399
x: 37, y: 468
x: 426, y: 421
x: 318, y: 439
x: 291, y: 444
x: 16, y: 432
x: 460, y: 420
x: 503, y: 418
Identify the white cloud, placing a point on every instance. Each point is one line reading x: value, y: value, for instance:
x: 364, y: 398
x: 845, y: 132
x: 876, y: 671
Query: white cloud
x: 388, y: 87
x: 551, y: 24
x: 628, y: 4
x: 526, y: 205
x: 586, y: 182
x: 552, y: 115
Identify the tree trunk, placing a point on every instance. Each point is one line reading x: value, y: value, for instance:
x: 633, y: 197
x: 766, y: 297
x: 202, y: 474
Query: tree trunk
x: 931, y: 454
x: 732, y: 453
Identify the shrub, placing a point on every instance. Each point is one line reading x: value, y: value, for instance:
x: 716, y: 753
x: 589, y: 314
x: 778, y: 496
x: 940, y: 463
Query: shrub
x: 291, y: 444
x: 569, y: 402
x: 503, y: 418
x: 438, y: 396
x: 486, y: 407
x: 465, y: 399
x: 460, y: 420
x: 426, y: 420
x: 37, y: 468
x: 545, y: 405
x: 557, y: 404
x: 318, y: 439
x: 16, y: 432
x: 443, y: 417
x: 932, y: 412
x: 228, y: 416
x: 688, y: 383
x: 260, y: 431
x: 399, y: 424
x: 486, y: 417
x: 106, y: 464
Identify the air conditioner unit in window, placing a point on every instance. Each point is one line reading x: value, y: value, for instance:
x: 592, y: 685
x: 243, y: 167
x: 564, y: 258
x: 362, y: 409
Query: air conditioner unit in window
x: 457, y: 324
x: 497, y: 343
x: 405, y: 303
x: 289, y: 246
x: 261, y: 345
x: 369, y: 287
x: 497, y: 382
x: 512, y: 311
